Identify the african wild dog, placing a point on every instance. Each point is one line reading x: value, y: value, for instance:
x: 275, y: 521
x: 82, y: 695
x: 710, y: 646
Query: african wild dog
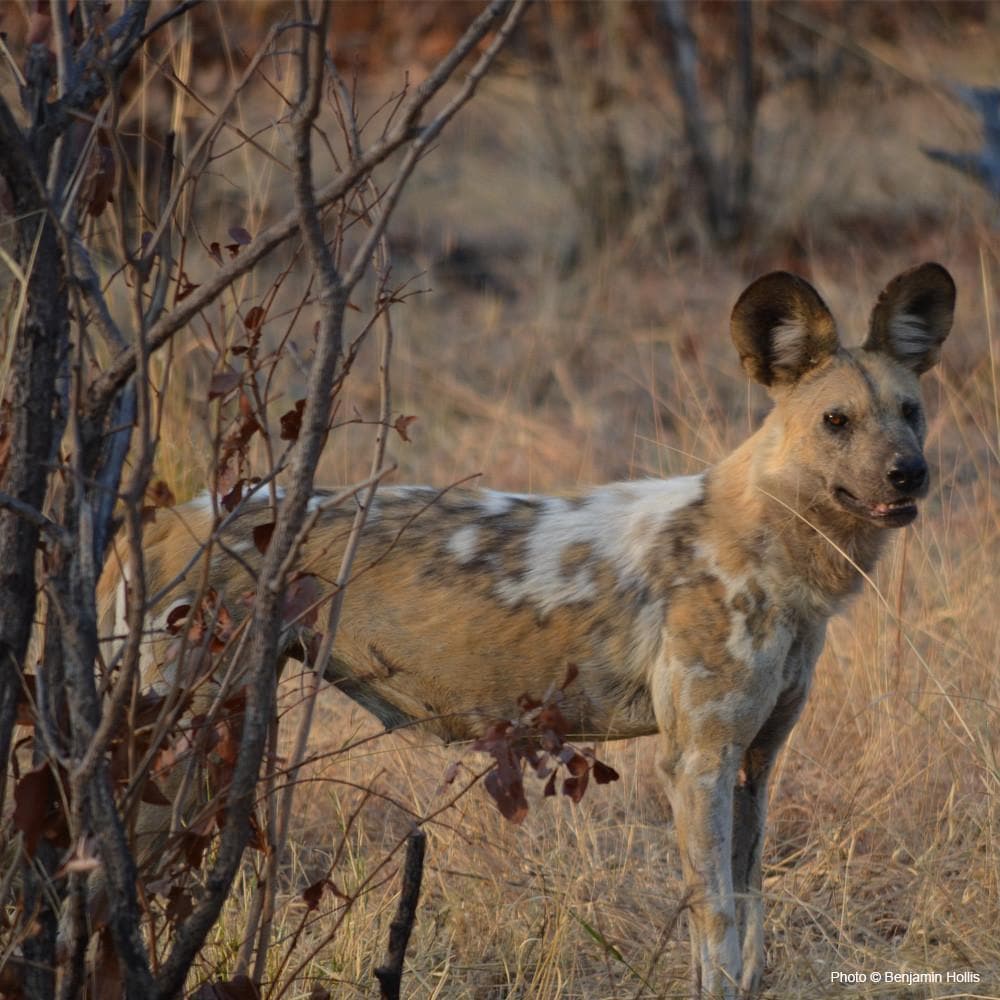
x: 693, y: 607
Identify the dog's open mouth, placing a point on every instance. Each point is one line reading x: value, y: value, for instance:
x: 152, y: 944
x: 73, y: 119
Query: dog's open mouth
x: 892, y: 513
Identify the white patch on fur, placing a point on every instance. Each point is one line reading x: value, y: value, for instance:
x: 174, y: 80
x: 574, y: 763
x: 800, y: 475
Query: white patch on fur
x: 321, y: 501
x: 698, y: 763
x: 426, y: 493
x: 733, y: 584
x: 786, y: 344
x: 203, y: 501
x: 119, y: 624
x: 739, y: 645
x: 909, y: 335
x: 619, y: 522
x: 545, y: 585
x: 464, y: 544
x: 317, y: 500
x: 626, y: 519
x: 691, y: 672
x: 728, y: 709
x: 493, y: 503
x: 121, y: 605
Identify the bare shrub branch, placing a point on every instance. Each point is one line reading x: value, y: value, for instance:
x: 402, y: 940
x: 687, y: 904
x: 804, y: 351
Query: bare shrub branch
x: 134, y: 705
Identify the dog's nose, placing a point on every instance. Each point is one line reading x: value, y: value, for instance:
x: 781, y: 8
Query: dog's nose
x: 908, y: 474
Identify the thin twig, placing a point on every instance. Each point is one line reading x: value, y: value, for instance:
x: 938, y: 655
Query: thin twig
x: 390, y: 974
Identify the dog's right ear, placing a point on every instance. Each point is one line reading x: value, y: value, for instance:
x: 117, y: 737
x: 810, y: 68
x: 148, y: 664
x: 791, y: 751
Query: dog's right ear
x: 782, y: 329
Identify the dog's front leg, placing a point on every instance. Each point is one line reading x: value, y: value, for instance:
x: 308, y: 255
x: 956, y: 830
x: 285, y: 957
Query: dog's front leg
x: 749, y: 811
x: 700, y: 786
x: 749, y: 814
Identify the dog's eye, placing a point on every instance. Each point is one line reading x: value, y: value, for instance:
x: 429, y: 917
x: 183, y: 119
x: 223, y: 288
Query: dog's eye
x: 835, y: 419
x: 910, y: 411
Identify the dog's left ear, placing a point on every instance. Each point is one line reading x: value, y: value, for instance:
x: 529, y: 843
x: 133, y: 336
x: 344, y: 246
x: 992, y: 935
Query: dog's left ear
x: 913, y: 316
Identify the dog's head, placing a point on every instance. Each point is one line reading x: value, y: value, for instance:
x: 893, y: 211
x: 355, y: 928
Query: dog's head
x: 849, y: 423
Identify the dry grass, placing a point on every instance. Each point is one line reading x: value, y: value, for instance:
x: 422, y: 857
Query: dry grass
x: 882, y: 852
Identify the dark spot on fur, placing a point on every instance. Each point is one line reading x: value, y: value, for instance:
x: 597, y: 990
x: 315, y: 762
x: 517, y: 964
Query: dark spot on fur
x: 526, y: 503
x: 637, y: 594
x: 438, y: 572
x: 673, y: 552
x: 699, y: 621
x: 759, y: 615
x: 631, y: 699
x: 574, y: 558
